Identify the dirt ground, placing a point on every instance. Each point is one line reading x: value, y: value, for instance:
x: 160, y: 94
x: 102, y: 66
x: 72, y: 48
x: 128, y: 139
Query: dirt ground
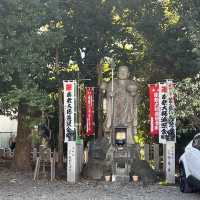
x: 20, y: 186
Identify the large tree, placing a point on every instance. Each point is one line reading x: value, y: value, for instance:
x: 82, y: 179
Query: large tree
x: 188, y: 89
x: 95, y: 29
x: 39, y: 38
x: 25, y: 55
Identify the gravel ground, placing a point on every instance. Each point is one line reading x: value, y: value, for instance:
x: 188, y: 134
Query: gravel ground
x: 18, y: 186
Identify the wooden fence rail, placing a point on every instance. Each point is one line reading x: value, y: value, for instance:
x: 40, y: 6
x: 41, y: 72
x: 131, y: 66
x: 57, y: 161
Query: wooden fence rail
x: 156, y: 153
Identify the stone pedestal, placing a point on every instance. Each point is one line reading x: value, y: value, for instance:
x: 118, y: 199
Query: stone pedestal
x: 97, y: 166
x: 121, y: 162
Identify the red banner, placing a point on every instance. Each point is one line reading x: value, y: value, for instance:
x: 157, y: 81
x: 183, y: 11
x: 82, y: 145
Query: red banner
x: 89, y: 101
x: 154, y: 109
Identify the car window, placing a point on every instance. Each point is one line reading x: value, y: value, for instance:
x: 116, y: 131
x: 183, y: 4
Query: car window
x: 196, y: 142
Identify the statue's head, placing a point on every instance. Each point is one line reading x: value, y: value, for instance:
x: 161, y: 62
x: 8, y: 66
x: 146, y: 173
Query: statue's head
x: 123, y: 72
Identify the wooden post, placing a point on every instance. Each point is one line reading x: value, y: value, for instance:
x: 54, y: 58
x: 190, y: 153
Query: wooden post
x: 52, y: 168
x: 34, y: 154
x: 45, y: 156
x: 156, y: 156
x: 37, y: 169
x: 146, y: 152
x: 164, y: 157
x: 170, y: 162
x: 1, y: 153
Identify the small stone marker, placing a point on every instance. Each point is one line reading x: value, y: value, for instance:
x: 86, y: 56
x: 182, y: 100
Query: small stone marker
x: 170, y: 162
x: 74, y: 161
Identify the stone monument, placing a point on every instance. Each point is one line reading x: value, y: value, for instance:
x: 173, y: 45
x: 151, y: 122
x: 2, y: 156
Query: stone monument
x: 113, y: 153
x: 117, y: 154
x: 121, y: 122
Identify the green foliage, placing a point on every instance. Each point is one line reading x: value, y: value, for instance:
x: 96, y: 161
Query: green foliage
x: 36, y: 139
x: 25, y: 53
x: 189, y: 10
x: 38, y: 39
x: 188, y: 102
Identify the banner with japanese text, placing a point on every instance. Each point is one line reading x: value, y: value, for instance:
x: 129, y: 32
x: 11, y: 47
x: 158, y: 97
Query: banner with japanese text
x: 163, y: 112
x: 167, y: 119
x: 154, y: 109
x: 70, y: 91
x: 162, y: 104
x: 171, y: 133
x: 89, y: 102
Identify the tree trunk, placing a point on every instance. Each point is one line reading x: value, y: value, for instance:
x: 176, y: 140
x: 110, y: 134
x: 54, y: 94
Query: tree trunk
x: 100, y: 101
x: 61, y: 134
x: 60, y: 119
x: 23, y: 141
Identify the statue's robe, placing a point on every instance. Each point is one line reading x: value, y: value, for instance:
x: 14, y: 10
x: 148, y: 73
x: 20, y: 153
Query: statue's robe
x: 124, y: 111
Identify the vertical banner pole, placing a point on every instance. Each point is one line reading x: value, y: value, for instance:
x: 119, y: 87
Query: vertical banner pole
x: 171, y: 135
x: 167, y: 124
x: 71, y: 134
x: 70, y: 123
x: 170, y: 162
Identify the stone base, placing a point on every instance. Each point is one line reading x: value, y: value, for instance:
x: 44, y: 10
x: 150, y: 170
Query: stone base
x: 95, y: 169
x: 105, y: 159
x: 121, y: 179
x: 97, y: 166
x: 142, y: 169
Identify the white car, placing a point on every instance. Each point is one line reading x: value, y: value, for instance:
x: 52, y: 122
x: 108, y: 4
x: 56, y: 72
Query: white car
x: 189, y: 164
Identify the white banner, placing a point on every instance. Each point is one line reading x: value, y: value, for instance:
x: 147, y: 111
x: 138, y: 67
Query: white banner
x: 163, y: 112
x: 171, y: 134
x: 167, y: 119
x: 69, y: 110
x: 167, y: 126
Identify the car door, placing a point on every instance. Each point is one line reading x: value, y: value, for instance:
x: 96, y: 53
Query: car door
x: 193, y: 157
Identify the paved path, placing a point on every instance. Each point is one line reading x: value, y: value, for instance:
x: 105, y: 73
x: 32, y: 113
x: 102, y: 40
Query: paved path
x: 17, y: 186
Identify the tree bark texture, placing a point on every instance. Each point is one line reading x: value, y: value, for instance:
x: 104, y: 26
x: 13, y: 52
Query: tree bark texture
x: 100, y: 101
x: 61, y: 132
x: 23, y: 140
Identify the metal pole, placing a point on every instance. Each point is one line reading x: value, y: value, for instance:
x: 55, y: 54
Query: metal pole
x: 112, y: 93
x: 112, y: 119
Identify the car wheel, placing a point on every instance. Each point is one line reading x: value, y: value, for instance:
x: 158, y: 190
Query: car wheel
x: 184, y: 186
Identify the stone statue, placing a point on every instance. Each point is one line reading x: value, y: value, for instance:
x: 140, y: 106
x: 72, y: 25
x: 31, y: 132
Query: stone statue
x: 122, y: 103
x: 121, y: 111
